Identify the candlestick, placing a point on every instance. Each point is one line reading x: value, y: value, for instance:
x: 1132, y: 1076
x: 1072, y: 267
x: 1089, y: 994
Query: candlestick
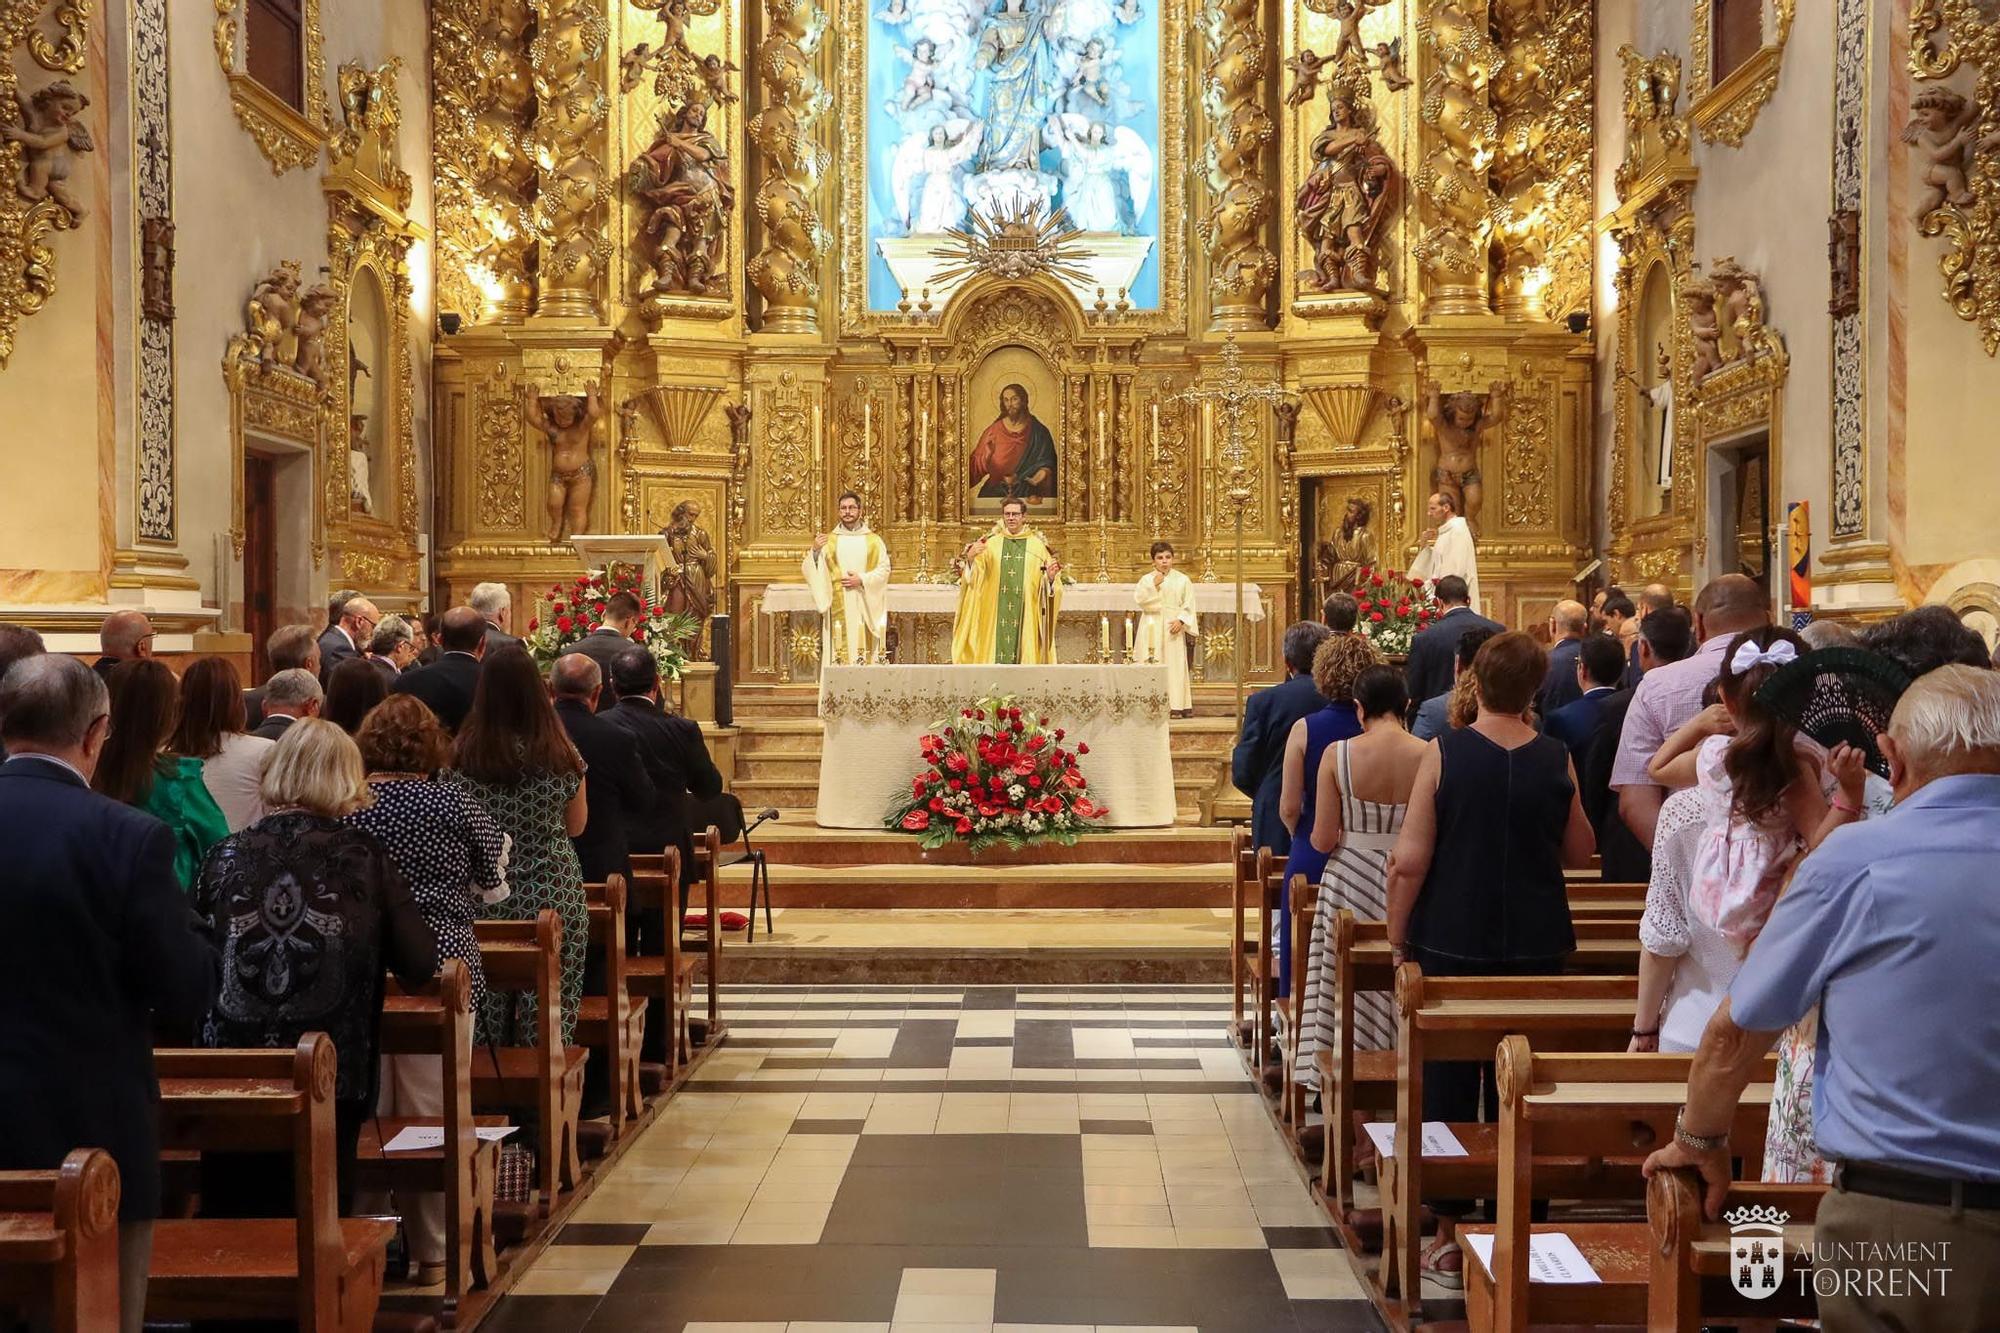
x: 1153, y: 642
x: 1156, y: 428
x: 1128, y: 638
x: 1104, y: 638
x: 818, y: 455
x: 867, y: 427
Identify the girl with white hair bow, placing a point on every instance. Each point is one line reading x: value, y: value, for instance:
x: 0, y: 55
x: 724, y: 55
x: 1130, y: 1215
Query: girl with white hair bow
x: 1755, y: 796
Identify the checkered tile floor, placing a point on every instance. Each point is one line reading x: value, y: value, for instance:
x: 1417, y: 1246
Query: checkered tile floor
x: 931, y: 1159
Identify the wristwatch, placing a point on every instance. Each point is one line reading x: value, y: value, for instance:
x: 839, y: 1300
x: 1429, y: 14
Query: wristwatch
x: 1696, y: 1142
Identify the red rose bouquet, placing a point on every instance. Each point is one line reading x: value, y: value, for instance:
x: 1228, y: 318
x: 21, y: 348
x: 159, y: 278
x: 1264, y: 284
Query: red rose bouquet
x: 996, y: 775
x: 576, y: 609
x: 1394, y: 606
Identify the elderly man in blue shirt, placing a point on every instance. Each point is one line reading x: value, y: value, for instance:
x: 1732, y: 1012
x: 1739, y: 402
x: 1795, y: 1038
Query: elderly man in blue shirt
x: 1891, y: 928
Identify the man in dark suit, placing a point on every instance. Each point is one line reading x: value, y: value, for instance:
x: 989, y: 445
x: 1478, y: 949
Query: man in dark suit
x: 1600, y: 666
x: 348, y: 636
x: 288, y: 696
x: 1568, y: 623
x: 619, y: 792
x: 289, y: 646
x: 123, y: 636
x: 1434, y: 652
x: 97, y: 945
x: 495, y: 606
x: 17, y: 643
x: 1664, y: 636
x: 614, y: 636
x: 1256, y: 766
x: 1433, y: 717
x: 672, y: 750
x: 447, y: 685
x: 392, y: 648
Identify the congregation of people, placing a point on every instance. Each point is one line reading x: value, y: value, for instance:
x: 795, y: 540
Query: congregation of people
x: 200, y: 864
x: 1831, y: 902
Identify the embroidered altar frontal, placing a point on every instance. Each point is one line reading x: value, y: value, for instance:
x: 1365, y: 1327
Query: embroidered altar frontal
x: 875, y: 716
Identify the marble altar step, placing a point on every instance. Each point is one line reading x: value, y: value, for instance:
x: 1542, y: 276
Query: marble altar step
x: 989, y: 884
x: 993, y: 947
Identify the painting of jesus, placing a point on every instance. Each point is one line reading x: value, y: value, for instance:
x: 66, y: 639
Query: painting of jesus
x: 1015, y: 456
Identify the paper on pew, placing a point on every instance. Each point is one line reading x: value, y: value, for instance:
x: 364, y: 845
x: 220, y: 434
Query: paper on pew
x: 426, y: 1138
x: 1552, y: 1257
x: 1437, y: 1140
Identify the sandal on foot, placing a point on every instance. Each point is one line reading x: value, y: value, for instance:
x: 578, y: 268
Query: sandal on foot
x: 1444, y: 1263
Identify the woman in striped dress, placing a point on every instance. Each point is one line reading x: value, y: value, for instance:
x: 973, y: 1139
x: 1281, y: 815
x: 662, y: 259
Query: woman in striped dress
x: 1357, y: 831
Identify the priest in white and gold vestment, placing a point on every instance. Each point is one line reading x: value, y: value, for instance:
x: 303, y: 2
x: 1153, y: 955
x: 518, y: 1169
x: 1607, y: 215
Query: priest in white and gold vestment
x: 847, y: 571
x: 1167, y: 624
x: 1009, y: 592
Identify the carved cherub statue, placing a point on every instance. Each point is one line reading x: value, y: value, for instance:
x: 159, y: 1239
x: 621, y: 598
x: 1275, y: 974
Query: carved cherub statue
x: 1704, y: 327
x: 1347, y: 15
x: 51, y: 135
x: 715, y: 72
x: 310, y: 329
x: 1458, y: 420
x: 1389, y: 60
x: 271, y: 313
x: 1305, y: 67
x: 1941, y: 127
x: 568, y: 422
x: 1740, y: 306
x: 920, y: 84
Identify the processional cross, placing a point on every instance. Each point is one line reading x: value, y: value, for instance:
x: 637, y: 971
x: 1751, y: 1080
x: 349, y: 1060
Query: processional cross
x: 1236, y: 398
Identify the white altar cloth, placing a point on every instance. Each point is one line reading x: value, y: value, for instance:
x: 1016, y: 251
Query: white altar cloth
x: 874, y: 716
x: 941, y: 599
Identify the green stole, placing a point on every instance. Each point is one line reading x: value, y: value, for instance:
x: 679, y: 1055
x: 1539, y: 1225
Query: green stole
x: 1011, y: 609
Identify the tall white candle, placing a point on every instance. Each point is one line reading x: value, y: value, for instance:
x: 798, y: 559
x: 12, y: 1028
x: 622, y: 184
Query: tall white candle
x: 867, y: 425
x: 1156, y: 428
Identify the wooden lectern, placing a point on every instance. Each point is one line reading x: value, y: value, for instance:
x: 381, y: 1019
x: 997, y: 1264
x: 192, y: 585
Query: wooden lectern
x: 645, y: 553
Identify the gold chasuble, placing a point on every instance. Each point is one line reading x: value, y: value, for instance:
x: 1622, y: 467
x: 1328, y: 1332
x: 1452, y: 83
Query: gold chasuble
x: 1007, y: 603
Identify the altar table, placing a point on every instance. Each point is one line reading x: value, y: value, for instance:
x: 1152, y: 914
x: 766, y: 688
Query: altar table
x: 1115, y: 599
x: 874, y: 716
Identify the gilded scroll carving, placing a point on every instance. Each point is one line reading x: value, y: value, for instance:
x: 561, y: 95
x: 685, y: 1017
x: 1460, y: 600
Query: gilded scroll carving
x: 1240, y: 265
x: 500, y: 451
x: 1459, y: 143
x: 1530, y: 454
x: 1959, y: 138
x: 787, y: 457
x: 786, y: 270
x: 571, y: 107
x: 482, y: 156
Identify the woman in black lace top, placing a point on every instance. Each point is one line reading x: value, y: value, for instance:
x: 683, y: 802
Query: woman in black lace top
x: 307, y: 913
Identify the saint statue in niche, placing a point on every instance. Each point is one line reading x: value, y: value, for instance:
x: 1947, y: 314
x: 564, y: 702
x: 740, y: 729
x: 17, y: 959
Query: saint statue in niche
x: 1016, y: 455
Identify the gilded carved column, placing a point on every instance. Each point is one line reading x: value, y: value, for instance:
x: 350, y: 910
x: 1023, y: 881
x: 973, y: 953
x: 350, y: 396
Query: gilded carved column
x: 1459, y: 135
x: 570, y: 114
x: 1240, y: 266
x: 1542, y: 167
x: 785, y: 270
x: 485, y: 164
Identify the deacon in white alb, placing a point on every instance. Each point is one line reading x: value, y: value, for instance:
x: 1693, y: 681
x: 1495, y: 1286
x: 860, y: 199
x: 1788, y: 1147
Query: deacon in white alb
x: 848, y: 572
x: 1168, y: 626
x: 1448, y: 547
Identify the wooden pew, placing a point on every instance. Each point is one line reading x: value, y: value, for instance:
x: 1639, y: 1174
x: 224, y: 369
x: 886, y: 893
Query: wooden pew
x: 546, y: 1079
x: 667, y: 977
x: 1463, y: 1018
x: 1595, y: 897
x: 1243, y: 872
x: 437, y: 1022
x: 1592, y: 1105
x: 1303, y: 905
x: 1264, y: 974
x: 1364, y: 1081
x: 59, y: 1243
x: 707, y: 938
x: 608, y: 1021
x: 1690, y: 1284
x: 317, y: 1269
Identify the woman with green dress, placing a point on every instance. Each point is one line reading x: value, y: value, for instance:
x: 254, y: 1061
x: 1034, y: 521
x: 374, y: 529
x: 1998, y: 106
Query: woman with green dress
x: 513, y: 757
x: 138, y: 769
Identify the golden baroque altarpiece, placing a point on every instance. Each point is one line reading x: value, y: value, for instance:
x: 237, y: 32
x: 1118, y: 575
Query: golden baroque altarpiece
x: 665, y: 198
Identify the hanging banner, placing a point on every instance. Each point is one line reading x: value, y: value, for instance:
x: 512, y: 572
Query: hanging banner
x: 1798, y: 553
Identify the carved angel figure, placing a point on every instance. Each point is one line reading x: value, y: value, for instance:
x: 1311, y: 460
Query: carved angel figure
x: 1305, y: 67
x: 1942, y: 129
x: 1087, y: 88
x: 1107, y: 173
x: 920, y: 84
x: 1704, y: 327
x: 309, y: 328
x: 271, y: 312
x: 930, y: 175
x: 683, y: 180
x: 1344, y: 199
x: 1740, y: 307
x: 715, y: 72
x: 1458, y: 420
x: 50, y: 135
x: 1389, y: 60
x: 1127, y: 11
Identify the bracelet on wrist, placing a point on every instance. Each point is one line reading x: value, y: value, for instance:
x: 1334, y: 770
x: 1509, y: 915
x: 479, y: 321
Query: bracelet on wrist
x: 1693, y: 1142
x: 1637, y: 1033
x: 1846, y: 807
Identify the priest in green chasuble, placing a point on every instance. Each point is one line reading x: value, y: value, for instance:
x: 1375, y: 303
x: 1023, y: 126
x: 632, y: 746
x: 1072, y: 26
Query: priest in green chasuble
x: 847, y: 571
x: 1009, y: 592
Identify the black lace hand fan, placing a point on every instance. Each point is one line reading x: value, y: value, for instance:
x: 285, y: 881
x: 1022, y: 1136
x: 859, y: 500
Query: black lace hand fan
x: 1838, y: 695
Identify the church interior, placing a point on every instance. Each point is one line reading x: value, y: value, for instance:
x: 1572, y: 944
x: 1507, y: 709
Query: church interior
x: 400, y: 300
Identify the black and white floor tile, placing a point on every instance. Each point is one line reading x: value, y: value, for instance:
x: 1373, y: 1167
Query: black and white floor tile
x: 932, y: 1159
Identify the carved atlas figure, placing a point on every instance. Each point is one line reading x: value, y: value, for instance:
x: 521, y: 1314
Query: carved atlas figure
x: 1458, y: 420
x: 568, y: 421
